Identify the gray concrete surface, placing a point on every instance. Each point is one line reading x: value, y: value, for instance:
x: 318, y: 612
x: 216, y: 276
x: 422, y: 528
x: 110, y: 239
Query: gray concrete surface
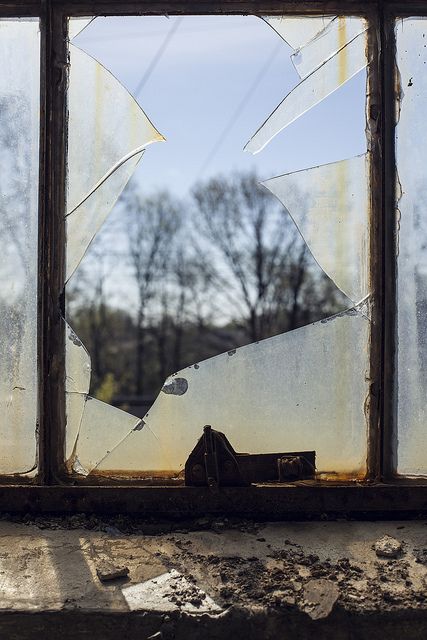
x: 214, y: 579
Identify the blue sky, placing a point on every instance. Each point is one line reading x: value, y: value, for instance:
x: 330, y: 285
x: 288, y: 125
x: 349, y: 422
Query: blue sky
x: 210, y: 64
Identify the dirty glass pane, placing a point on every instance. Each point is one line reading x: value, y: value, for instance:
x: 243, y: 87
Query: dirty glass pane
x: 19, y: 166
x: 265, y: 405
x: 252, y: 287
x: 312, y: 90
x: 411, y: 153
x: 330, y: 206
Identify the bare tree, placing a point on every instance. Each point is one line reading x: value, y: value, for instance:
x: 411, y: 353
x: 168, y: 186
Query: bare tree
x: 263, y: 264
x: 151, y: 225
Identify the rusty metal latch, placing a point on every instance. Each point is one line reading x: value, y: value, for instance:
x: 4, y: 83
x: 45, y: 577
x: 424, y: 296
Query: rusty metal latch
x: 213, y: 462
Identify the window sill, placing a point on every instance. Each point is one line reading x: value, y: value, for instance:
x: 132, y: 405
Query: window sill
x: 241, y: 579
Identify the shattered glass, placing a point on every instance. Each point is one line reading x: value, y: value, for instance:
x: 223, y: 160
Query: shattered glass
x: 304, y: 389
x: 106, y: 141
x: 411, y: 35
x: 77, y: 382
x: 19, y: 161
x: 264, y: 397
x: 77, y: 25
x: 93, y: 427
x: 332, y: 74
x: 102, y: 427
x: 329, y: 205
x: 85, y: 221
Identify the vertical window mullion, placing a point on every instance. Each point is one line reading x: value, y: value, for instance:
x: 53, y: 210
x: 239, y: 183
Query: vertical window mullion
x: 52, y: 244
x: 388, y: 409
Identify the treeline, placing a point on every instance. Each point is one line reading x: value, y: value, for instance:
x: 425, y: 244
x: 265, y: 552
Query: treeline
x: 172, y: 282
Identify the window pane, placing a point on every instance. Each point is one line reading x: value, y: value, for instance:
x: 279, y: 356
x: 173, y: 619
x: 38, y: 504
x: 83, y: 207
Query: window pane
x: 411, y: 153
x: 19, y: 162
x: 220, y: 287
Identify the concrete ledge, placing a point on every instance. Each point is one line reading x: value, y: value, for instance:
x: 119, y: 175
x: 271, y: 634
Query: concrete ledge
x: 214, y: 579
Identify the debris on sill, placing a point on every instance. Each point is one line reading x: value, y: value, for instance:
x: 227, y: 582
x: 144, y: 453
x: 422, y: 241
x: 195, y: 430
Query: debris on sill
x: 107, y: 572
x: 168, y: 592
x: 388, y: 547
x: 319, y: 598
x: 420, y: 556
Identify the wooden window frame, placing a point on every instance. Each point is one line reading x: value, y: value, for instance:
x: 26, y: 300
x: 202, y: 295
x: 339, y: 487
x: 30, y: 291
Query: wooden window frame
x: 381, y: 493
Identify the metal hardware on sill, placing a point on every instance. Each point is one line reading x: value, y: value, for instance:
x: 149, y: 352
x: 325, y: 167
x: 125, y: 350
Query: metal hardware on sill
x: 213, y: 462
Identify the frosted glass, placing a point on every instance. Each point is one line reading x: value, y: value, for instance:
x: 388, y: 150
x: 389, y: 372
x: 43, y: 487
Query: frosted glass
x: 326, y: 44
x: 297, y: 30
x: 312, y: 90
x: 105, y: 125
x: 19, y: 162
x: 411, y: 153
x: 305, y: 389
x: 330, y: 206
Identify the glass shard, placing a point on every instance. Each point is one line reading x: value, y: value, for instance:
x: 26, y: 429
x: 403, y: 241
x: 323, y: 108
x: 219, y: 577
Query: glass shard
x: 19, y: 162
x: 304, y: 389
x: 312, y: 90
x: 77, y: 364
x: 74, y: 406
x: 101, y: 430
x: 77, y: 382
x: 77, y: 25
x: 85, y: 221
x: 411, y: 35
x: 297, y: 31
x: 326, y: 44
x: 330, y: 206
x: 111, y: 125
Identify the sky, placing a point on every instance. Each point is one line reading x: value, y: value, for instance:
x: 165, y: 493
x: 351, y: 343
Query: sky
x: 217, y: 80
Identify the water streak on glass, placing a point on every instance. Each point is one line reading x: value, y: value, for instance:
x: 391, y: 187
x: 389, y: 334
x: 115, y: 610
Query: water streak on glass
x: 326, y: 44
x: 304, y: 389
x: 316, y: 87
x: 330, y: 206
x: 19, y: 161
x: 411, y: 35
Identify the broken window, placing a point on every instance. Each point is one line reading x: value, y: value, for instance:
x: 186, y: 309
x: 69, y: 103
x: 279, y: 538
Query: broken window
x: 242, y: 264
x: 19, y: 161
x: 243, y: 302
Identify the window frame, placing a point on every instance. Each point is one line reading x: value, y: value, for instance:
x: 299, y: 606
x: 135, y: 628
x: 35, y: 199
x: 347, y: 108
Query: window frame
x: 382, y: 492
